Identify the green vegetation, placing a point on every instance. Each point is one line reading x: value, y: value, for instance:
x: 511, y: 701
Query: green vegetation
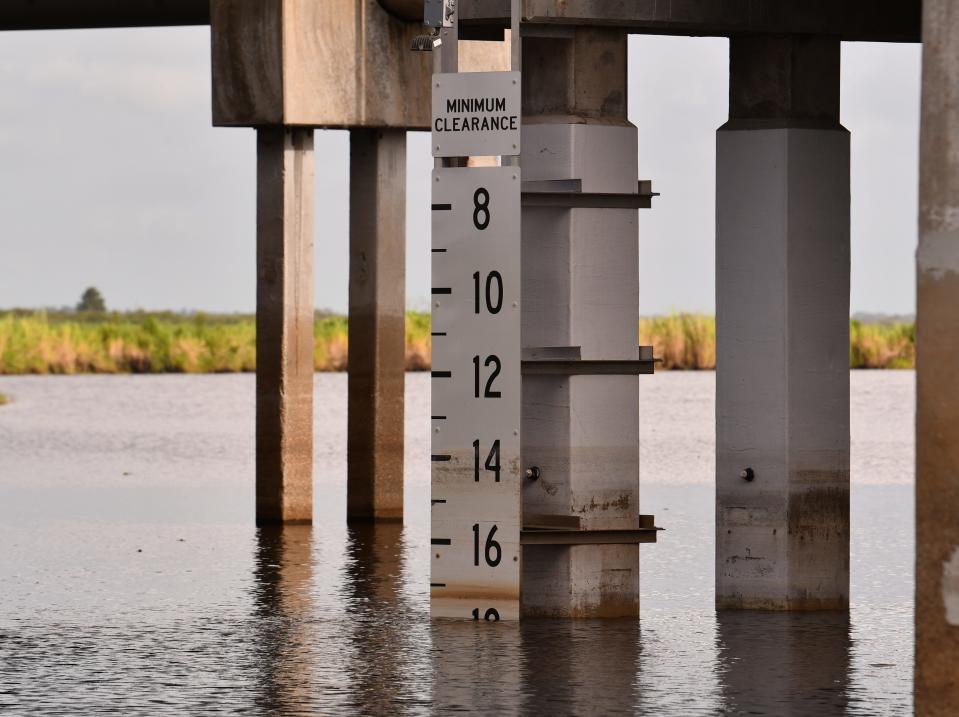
x: 688, y: 341
x: 4, y: 399
x: 165, y: 342
x: 92, y: 300
x: 891, y: 345
x: 140, y: 342
x: 682, y: 341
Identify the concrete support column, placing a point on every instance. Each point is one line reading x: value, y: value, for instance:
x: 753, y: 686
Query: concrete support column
x: 937, y: 358
x: 284, y: 325
x: 782, y: 313
x: 377, y: 324
x: 580, y: 289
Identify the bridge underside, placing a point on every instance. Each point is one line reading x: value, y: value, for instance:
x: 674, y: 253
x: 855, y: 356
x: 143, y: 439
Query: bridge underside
x: 78, y: 14
x: 866, y: 20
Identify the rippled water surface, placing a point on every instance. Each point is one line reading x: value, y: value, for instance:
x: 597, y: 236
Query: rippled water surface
x: 133, y: 581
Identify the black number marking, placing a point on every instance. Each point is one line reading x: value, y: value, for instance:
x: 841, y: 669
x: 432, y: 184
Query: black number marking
x: 488, y: 392
x: 490, y: 615
x: 481, y: 207
x: 491, y: 306
x: 492, y: 462
x: 491, y: 547
x: 475, y: 543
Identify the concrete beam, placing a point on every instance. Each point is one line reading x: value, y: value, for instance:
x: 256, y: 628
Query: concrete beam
x: 874, y: 20
x: 782, y: 331
x: 377, y: 324
x: 937, y: 381
x: 335, y: 63
x: 284, y: 325
x: 409, y: 10
x: 65, y: 14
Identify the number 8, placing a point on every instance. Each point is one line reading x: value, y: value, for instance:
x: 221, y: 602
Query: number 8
x: 481, y: 207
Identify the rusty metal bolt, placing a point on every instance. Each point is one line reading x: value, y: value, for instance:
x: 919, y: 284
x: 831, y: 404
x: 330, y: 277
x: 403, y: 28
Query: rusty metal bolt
x: 533, y: 473
x: 747, y: 474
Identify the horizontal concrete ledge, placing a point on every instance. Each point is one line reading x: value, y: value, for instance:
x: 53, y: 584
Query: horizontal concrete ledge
x: 872, y: 20
x: 66, y: 14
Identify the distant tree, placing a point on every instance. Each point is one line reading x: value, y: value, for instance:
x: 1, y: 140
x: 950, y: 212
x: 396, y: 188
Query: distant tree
x: 92, y: 300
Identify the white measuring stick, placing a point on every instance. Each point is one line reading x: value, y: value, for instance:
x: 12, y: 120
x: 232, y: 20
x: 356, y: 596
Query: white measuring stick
x: 476, y: 381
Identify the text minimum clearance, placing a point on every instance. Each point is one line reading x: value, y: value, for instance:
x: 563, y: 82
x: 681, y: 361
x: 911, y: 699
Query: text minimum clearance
x: 492, y: 123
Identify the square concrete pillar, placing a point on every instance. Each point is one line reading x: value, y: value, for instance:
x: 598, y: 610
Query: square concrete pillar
x: 580, y: 289
x: 782, y: 330
x: 284, y: 325
x: 937, y: 359
x: 377, y: 324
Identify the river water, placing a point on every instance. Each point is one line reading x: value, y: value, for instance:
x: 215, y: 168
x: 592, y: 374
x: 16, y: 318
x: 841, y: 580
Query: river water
x: 133, y: 581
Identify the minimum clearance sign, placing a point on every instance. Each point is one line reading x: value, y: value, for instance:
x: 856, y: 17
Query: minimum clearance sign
x: 476, y: 114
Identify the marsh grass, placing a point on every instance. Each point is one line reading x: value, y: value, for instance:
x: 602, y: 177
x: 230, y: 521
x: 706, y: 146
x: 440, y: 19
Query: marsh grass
x: 682, y: 341
x: 688, y: 341
x: 166, y: 342
x: 890, y: 345
x: 141, y: 342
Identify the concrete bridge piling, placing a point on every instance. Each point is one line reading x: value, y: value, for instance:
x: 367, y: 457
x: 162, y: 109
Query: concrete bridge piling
x: 377, y: 324
x: 581, y: 289
x: 782, y: 329
x: 284, y: 325
x: 937, y: 381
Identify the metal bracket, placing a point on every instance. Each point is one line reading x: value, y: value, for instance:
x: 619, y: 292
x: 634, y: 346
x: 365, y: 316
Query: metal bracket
x: 437, y: 14
x: 566, y: 530
x: 569, y: 193
x: 568, y: 361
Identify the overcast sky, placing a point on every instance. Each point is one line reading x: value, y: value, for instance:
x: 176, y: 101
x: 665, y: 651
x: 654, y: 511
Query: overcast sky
x: 111, y: 175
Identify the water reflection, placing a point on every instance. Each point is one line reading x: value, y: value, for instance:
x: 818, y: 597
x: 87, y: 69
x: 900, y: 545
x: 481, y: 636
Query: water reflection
x: 554, y: 667
x: 784, y: 663
x: 476, y: 666
x: 283, y: 606
x: 337, y: 635
x: 351, y: 636
x: 386, y: 633
x: 580, y: 667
